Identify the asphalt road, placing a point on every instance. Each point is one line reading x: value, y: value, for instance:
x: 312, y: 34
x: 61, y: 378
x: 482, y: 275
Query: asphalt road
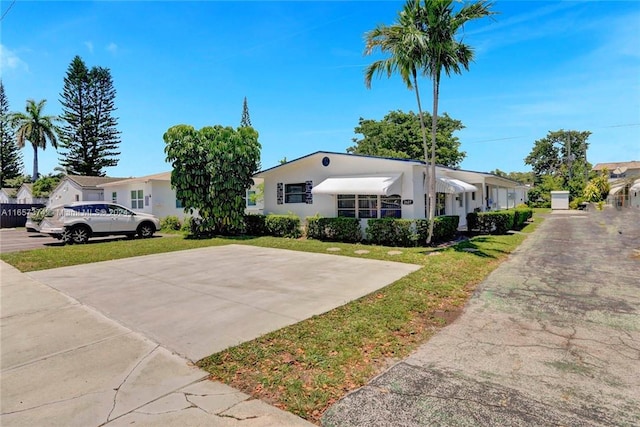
x: 550, y: 338
x: 18, y: 239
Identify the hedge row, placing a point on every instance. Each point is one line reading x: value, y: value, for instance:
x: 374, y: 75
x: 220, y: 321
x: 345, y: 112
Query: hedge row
x: 339, y: 229
x: 498, y: 222
x: 272, y: 225
x: 384, y: 231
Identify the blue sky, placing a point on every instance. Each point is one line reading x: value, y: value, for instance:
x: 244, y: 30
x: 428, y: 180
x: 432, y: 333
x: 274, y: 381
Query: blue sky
x: 539, y: 66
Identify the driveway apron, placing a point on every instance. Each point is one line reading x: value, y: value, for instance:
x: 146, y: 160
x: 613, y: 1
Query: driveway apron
x: 551, y: 337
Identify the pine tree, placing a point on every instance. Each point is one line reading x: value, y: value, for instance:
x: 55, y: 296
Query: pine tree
x: 10, y: 156
x: 89, y: 138
x: 246, y: 120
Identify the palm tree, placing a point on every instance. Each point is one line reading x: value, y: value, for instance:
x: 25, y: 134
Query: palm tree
x: 440, y: 24
x: 35, y: 128
x: 406, y: 46
x: 423, y: 41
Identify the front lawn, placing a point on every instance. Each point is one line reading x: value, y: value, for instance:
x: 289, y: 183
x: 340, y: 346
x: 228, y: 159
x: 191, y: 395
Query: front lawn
x: 306, y: 367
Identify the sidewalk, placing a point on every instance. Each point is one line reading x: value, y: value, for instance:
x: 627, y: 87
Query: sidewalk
x: 550, y: 338
x: 64, y: 364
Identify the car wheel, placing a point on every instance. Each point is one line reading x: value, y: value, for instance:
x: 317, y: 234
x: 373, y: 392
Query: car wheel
x: 146, y: 230
x: 66, y: 236
x: 80, y: 234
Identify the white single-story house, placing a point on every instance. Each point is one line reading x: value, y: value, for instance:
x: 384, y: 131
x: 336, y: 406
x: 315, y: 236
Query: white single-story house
x: 25, y: 195
x: 149, y: 194
x: 76, y: 188
x: 7, y: 195
x: 339, y: 184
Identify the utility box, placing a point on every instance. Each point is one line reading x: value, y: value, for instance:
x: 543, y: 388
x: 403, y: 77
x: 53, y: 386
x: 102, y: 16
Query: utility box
x: 559, y: 200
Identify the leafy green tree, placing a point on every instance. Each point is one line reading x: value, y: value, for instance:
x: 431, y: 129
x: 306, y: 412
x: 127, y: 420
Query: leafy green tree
x: 10, y: 156
x: 89, y: 138
x: 598, y: 188
x: 540, y: 195
x: 245, y: 120
x: 212, y: 169
x: 398, y: 135
x: 45, y: 185
x: 562, y: 154
x: 521, y: 177
x: 36, y: 128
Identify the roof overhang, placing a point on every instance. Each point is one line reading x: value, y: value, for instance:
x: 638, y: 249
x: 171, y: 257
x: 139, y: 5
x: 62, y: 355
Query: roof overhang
x: 379, y: 185
x: 453, y: 186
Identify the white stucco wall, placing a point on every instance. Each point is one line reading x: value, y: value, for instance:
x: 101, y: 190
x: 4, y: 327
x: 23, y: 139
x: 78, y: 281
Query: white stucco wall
x: 159, y: 197
x: 312, y: 169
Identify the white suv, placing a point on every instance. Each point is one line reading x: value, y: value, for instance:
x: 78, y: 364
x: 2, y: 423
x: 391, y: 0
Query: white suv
x: 77, y: 222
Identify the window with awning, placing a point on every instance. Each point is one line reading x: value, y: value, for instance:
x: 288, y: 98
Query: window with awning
x: 361, y: 185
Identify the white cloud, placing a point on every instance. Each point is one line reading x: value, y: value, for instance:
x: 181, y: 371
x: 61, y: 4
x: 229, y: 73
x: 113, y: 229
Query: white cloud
x: 10, y: 61
x: 89, y: 46
x: 112, y: 47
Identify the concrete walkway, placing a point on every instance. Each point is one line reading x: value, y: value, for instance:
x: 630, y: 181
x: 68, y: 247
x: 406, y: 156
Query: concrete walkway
x: 64, y: 364
x: 551, y: 338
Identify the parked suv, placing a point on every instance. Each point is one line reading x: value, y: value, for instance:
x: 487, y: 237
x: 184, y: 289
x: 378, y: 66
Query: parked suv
x: 77, y: 222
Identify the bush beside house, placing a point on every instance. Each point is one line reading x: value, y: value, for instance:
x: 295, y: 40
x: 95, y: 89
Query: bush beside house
x: 498, y: 222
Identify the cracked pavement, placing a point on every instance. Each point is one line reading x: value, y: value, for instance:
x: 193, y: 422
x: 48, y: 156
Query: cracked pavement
x: 550, y: 338
x: 65, y: 364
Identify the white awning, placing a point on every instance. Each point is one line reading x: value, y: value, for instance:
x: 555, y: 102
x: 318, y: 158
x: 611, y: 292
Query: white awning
x: 453, y: 186
x: 615, y: 190
x: 635, y: 186
x: 379, y: 185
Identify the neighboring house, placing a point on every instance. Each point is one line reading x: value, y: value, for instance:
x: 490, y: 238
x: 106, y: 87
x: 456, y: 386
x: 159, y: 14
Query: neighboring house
x: 25, y: 195
x: 150, y: 194
x: 618, y: 170
x: 339, y: 184
x: 7, y: 195
x: 76, y: 188
x: 255, y: 197
x: 624, y: 180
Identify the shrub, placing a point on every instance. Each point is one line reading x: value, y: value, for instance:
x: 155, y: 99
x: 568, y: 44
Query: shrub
x: 170, y: 222
x: 186, y: 225
x: 520, y: 217
x: 339, y: 229
x: 391, y: 232
x: 283, y: 226
x: 444, y: 228
x: 255, y: 225
x: 498, y: 222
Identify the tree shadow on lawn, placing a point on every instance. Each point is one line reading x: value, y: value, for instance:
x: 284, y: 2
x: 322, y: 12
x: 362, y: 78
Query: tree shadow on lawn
x: 477, y: 246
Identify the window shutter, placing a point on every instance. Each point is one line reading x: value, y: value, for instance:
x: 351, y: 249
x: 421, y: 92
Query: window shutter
x: 280, y: 193
x: 308, y: 197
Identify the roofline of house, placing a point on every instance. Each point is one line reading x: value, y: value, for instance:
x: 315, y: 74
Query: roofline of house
x: 418, y: 162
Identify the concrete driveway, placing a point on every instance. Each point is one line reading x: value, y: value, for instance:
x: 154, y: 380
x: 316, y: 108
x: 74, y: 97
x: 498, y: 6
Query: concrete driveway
x: 100, y: 344
x: 551, y: 338
x: 201, y: 301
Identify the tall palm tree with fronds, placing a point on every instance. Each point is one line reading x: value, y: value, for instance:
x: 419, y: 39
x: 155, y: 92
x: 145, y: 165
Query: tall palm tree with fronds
x: 423, y: 41
x: 406, y: 45
x: 36, y: 128
x: 441, y: 24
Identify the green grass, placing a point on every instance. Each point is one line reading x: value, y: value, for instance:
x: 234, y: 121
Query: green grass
x: 306, y: 367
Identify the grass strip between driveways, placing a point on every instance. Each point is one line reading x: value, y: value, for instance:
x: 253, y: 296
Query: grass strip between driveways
x: 306, y: 367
